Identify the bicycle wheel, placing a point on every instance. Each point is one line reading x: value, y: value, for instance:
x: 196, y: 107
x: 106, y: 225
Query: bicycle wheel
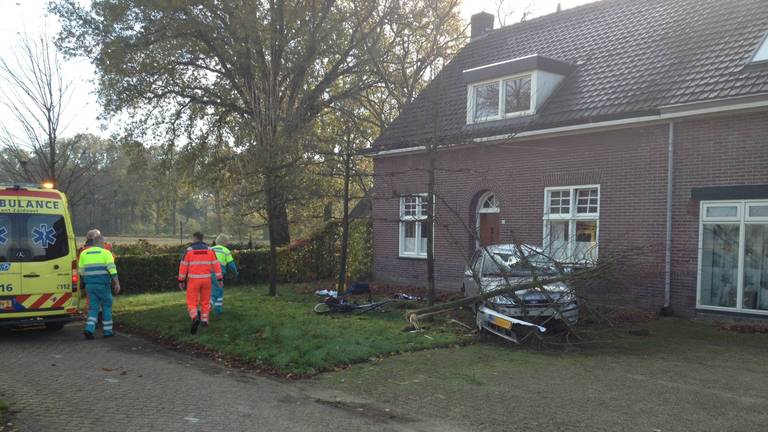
x: 372, y: 306
x: 322, y: 308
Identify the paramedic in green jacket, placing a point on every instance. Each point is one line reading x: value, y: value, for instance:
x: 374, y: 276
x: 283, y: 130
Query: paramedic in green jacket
x: 97, y: 270
x: 228, y: 266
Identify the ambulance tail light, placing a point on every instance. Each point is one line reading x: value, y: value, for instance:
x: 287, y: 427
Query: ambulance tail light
x: 75, y: 279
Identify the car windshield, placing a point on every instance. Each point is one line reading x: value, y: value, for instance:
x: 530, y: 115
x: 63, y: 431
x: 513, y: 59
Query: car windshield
x: 509, y: 264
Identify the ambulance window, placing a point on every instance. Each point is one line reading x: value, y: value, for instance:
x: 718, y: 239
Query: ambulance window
x: 6, y: 230
x: 46, y: 237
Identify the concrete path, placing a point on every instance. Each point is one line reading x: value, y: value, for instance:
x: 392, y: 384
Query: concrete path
x: 60, y: 382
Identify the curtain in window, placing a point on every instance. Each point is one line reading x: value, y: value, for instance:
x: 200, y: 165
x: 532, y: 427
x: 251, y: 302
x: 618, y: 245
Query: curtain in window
x: 756, y: 267
x: 409, y: 237
x: 719, y: 264
x: 586, y: 241
x: 558, y: 240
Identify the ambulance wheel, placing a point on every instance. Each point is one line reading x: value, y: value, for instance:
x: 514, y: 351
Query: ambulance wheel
x: 54, y: 326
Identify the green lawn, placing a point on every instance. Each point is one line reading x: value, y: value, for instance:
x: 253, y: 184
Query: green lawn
x: 685, y: 376
x: 5, y: 410
x: 281, y: 334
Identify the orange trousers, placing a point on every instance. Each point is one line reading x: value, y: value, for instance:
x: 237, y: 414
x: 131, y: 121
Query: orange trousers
x: 199, y: 296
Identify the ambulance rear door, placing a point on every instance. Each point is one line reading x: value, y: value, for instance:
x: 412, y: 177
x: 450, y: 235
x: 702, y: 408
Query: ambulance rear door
x: 46, y: 269
x: 10, y: 272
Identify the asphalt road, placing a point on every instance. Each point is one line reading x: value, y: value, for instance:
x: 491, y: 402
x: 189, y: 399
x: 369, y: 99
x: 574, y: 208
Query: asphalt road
x: 60, y: 382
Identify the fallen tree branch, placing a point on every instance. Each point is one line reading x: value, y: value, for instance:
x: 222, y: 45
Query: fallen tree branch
x: 414, y: 316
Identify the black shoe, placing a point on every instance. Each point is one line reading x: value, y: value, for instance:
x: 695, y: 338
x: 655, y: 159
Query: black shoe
x: 205, y: 323
x: 195, y: 324
x: 88, y: 335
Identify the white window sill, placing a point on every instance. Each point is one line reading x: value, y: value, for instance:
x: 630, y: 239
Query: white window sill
x: 732, y: 310
x: 412, y: 256
x: 500, y: 117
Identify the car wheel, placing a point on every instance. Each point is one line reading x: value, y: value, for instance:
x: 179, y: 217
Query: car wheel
x: 54, y: 326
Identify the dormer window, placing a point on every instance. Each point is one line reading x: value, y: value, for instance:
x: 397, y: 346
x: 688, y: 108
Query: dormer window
x: 512, y: 88
x: 761, y: 54
x: 497, y: 99
x: 517, y: 94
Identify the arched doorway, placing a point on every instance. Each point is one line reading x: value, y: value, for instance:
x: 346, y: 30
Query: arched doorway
x: 488, y: 222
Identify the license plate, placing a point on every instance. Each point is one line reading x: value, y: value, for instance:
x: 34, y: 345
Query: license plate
x: 501, y: 323
x: 6, y: 304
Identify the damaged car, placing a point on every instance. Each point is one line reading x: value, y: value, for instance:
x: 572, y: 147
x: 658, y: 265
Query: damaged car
x: 493, y: 267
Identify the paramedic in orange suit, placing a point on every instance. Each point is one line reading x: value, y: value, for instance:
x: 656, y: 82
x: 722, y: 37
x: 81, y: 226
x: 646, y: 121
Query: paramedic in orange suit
x: 198, y: 266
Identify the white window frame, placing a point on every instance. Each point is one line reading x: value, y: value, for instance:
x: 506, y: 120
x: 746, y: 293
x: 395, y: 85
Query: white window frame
x: 742, y: 219
x: 532, y: 75
x: 572, y: 217
x: 420, y: 220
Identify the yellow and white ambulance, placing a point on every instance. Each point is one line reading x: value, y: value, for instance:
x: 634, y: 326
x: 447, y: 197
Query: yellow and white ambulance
x: 38, y: 258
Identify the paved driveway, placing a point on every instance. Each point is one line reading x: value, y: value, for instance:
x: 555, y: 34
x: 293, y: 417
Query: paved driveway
x: 60, y: 382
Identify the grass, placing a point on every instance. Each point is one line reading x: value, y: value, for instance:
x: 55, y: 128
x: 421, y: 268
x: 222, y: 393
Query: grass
x: 282, y: 334
x: 685, y: 376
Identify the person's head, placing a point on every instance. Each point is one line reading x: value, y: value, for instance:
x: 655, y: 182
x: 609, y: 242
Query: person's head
x: 197, y: 236
x: 222, y: 239
x: 94, y: 236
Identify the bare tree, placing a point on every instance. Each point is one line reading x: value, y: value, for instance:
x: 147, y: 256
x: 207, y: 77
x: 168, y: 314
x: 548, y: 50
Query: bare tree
x: 37, y: 95
x: 507, y: 8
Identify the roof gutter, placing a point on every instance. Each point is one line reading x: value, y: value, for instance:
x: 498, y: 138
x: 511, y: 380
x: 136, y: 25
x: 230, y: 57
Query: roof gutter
x: 666, y: 113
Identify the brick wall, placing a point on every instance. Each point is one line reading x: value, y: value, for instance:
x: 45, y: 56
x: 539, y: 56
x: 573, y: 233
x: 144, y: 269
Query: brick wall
x: 630, y: 167
x: 723, y: 151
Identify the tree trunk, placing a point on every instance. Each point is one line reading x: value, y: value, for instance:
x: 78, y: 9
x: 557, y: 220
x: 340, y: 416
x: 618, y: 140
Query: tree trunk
x: 431, y: 229
x: 430, y: 222
x: 217, y: 209
x: 158, y: 216
x: 344, y: 224
x: 279, y: 215
x: 172, y: 215
x: 269, y: 192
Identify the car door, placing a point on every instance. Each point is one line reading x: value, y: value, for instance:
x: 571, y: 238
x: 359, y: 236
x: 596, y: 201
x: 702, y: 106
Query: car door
x: 10, y: 272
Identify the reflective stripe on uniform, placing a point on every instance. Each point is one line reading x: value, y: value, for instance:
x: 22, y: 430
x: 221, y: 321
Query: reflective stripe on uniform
x: 196, y: 276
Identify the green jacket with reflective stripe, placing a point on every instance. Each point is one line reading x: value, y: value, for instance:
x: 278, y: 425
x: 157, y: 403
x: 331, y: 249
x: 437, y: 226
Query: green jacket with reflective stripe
x: 227, y: 261
x: 97, y: 266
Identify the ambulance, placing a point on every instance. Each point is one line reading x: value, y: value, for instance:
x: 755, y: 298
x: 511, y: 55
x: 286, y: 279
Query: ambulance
x: 38, y: 258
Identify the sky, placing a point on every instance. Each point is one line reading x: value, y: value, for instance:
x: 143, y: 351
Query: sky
x: 30, y: 16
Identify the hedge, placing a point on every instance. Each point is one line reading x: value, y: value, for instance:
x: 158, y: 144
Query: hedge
x: 301, y: 261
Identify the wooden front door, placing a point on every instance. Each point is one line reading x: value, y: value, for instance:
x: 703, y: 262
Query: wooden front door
x: 489, y: 229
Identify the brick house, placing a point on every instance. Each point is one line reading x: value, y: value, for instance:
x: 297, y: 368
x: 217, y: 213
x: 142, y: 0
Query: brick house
x: 622, y: 127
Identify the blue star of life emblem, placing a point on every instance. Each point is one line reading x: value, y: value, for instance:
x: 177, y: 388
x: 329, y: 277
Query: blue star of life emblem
x: 44, y: 236
x: 3, y: 236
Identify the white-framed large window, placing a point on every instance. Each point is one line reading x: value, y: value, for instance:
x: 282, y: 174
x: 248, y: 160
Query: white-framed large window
x: 500, y: 98
x: 733, y: 256
x: 413, y: 220
x: 571, y: 223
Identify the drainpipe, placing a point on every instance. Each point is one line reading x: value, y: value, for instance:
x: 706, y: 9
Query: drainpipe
x: 668, y: 247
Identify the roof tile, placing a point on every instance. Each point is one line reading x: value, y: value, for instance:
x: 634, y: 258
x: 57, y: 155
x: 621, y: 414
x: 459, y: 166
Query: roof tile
x: 632, y: 56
